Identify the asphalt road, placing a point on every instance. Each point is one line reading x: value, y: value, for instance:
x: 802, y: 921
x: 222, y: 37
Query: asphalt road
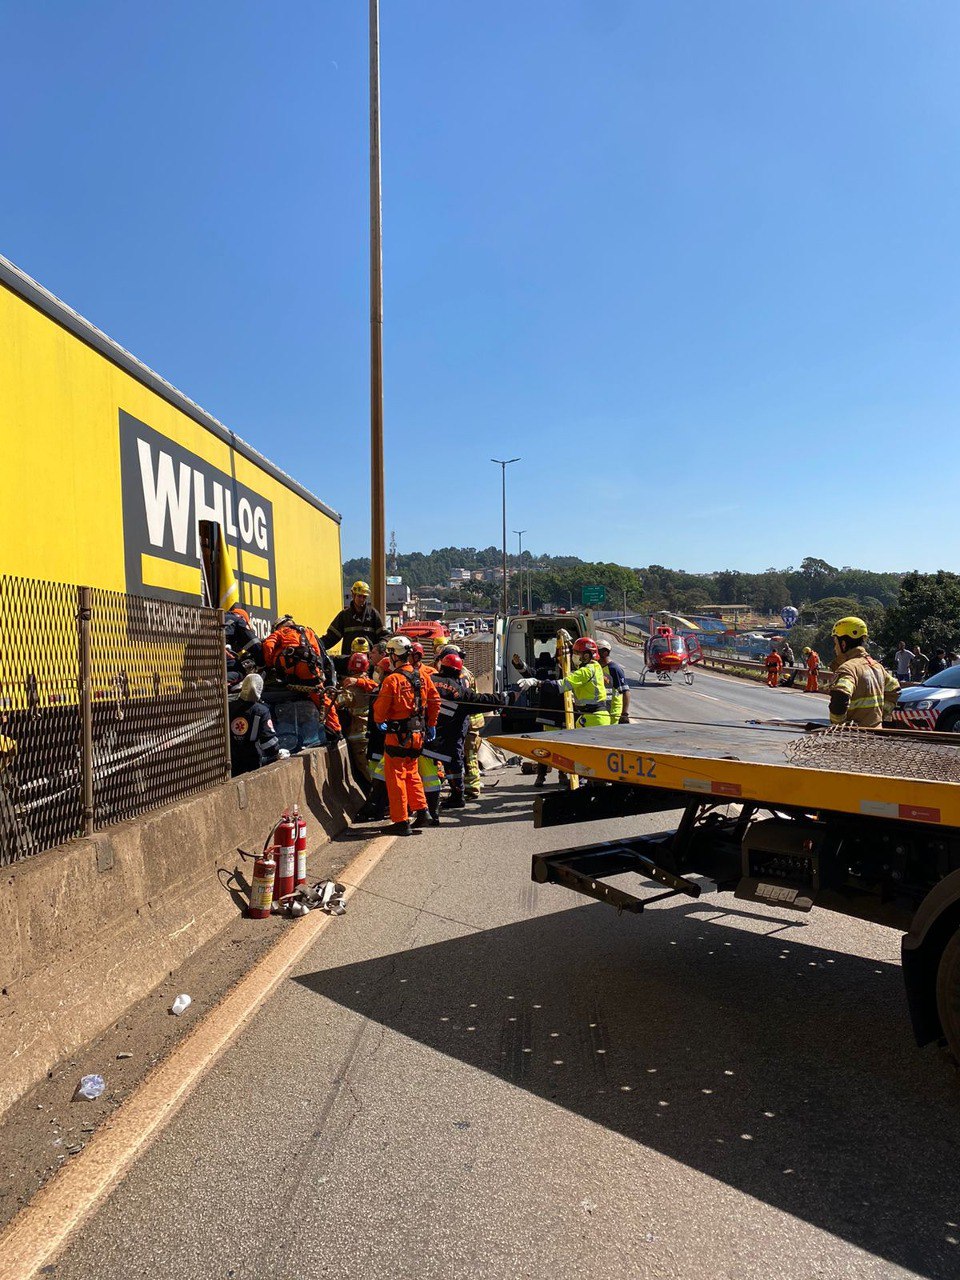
x: 471, y: 1075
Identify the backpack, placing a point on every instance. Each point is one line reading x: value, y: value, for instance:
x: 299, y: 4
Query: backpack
x: 294, y: 655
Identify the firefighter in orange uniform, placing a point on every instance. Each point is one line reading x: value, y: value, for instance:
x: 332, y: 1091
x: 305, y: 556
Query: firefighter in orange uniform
x: 774, y: 664
x: 406, y: 709
x: 812, y: 659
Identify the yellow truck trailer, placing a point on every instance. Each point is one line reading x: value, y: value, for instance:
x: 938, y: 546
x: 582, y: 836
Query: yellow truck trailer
x: 110, y: 474
x: 862, y: 822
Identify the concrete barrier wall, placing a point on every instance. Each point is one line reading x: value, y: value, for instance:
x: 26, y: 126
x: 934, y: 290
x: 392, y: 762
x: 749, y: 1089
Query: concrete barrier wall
x: 90, y: 927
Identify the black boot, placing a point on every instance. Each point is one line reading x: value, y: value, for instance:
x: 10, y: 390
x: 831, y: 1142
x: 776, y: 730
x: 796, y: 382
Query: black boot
x: 374, y: 808
x: 541, y: 775
x: 433, y: 807
x: 456, y: 800
x: 397, y: 829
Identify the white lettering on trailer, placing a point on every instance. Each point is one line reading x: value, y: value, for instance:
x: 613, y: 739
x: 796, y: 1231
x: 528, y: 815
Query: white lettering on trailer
x: 181, y: 496
x: 260, y: 528
x: 163, y: 495
x: 245, y: 516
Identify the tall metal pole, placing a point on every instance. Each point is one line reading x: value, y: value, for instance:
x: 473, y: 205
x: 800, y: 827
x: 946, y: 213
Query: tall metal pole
x: 503, y: 464
x: 520, y: 533
x: 378, y: 531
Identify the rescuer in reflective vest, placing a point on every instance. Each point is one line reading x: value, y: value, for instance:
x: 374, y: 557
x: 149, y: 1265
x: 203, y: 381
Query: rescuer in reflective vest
x: 863, y: 690
x: 585, y: 682
x: 354, y: 696
x: 458, y: 701
x: 812, y: 659
x: 406, y: 710
x: 615, y: 679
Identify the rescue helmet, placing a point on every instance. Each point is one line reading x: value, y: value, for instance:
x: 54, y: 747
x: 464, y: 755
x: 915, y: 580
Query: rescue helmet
x: 385, y: 666
x: 417, y: 650
x: 604, y: 645
x: 360, y: 645
x: 451, y: 662
x: 807, y: 650
x: 360, y: 588
x: 399, y: 646
x: 586, y: 648
x: 241, y: 612
x: 251, y: 690
x: 445, y: 650
x: 358, y: 665
x: 850, y: 629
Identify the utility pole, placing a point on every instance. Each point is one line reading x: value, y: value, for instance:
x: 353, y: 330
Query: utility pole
x: 503, y: 464
x: 520, y: 533
x: 378, y: 559
x: 624, y: 610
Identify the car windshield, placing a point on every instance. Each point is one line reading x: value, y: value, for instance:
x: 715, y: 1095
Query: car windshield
x: 946, y: 679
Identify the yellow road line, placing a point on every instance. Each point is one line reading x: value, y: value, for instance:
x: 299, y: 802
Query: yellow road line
x: 38, y: 1233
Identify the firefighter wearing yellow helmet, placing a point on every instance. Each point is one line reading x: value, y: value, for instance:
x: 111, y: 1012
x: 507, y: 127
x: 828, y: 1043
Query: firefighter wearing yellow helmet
x: 360, y: 645
x: 863, y: 690
x: 358, y: 619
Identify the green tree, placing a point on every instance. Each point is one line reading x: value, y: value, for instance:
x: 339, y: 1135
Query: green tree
x: 928, y: 611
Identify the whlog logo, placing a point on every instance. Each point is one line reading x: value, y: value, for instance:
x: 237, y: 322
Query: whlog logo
x: 167, y: 492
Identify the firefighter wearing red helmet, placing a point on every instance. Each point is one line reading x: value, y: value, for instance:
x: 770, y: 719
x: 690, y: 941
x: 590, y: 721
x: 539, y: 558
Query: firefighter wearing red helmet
x: 458, y: 702
x: 354, y: 697
x: 586, y: 683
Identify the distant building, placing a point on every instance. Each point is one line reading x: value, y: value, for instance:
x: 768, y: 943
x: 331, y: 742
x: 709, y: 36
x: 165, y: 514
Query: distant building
x: 458, y: 575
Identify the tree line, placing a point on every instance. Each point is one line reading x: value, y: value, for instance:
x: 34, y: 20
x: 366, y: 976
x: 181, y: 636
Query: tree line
x: 915, y: 607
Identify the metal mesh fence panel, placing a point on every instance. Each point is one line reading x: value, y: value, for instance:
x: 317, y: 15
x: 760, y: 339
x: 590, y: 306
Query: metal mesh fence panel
x: 156, y: 728
x: 40, y: 731
x: 847, y: 749
x: 159, y: 706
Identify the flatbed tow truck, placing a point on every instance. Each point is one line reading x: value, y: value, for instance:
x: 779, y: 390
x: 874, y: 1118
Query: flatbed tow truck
x: 794, y: 815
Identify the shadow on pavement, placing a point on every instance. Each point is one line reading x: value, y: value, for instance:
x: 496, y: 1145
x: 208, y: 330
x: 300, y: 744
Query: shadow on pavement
x: 784, y: 1070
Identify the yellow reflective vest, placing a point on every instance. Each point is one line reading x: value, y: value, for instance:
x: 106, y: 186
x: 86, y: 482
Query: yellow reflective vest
x: 589, y: 691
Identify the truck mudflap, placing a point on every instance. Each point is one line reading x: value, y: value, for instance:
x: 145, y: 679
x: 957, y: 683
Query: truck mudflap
x: 586, y: 869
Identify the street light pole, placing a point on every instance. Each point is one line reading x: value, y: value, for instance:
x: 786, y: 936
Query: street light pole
x: 503, y: 464
x: 378, y: 531
x: 520, y: 533
x: 624, y: 610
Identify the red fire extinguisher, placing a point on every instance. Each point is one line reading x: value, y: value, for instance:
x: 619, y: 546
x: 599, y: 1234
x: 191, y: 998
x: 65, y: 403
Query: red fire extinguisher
x: 285, y: 837
x: 261, y: 889
x: 301, y: 873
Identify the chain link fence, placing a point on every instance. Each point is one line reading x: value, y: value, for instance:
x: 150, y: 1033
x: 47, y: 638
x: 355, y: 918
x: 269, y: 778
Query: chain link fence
x: 110, y: 705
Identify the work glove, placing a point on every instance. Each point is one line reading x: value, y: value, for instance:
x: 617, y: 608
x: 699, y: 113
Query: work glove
x: 624, y: 719
x: 517, y: 661
x: 431, y: 732
x: 383, y: 727
x: 527, y: 683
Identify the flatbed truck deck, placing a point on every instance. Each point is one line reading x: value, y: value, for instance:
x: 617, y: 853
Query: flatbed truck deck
x: 862, y: 822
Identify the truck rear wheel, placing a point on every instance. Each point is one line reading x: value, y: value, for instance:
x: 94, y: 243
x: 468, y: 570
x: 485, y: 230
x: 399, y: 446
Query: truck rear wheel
x: 948, y: 994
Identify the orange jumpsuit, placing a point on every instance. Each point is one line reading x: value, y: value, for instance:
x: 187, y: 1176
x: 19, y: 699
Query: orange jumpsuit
x: 396, y: 702
x: 813, y: 662
x: 774, y: 667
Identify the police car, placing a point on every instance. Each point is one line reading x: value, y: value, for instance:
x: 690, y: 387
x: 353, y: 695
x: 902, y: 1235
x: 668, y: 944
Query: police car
x: 935, y: 704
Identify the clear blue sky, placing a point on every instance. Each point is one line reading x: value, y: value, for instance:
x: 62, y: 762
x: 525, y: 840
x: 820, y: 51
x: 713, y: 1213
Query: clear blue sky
x: 697, y: 262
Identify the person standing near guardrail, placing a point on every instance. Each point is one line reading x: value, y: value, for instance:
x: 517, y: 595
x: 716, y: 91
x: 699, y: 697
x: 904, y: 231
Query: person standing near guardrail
x: 774, y: 664
x: 812, y: 660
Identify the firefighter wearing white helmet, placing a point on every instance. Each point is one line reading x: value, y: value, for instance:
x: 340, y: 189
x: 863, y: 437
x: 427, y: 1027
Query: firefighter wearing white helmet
x: 359, y: 618
x: 863, y: 690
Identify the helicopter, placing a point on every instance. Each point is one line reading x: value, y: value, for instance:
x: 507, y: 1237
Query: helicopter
x: 667, y: 654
